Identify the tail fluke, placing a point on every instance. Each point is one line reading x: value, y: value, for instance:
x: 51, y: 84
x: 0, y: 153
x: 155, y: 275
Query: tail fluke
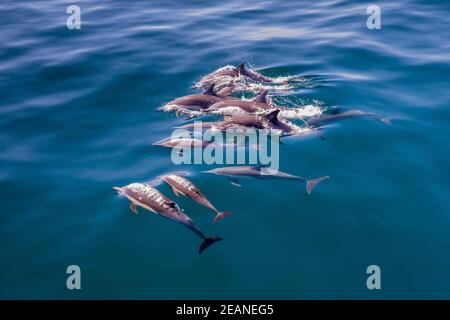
x: 310, y: 184
x: 208, y: 242
x: 220, y: 215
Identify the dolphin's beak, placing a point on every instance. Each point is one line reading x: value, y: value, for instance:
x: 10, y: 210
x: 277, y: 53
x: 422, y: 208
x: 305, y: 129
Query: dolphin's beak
x: 119, y: 190
x: 158, y: 143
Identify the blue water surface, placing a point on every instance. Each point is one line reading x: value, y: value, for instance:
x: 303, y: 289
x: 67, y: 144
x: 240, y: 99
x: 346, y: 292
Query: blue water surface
x: 78, y: 116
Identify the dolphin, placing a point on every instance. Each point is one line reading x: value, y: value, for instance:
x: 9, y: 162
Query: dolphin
x: 255, y: 76
x: 182, y: 143
x: 198, y: 101
x: 231, y: 72
x: 268, y: 121
x: 235, y: 72
x: 260, y: 172
x: 147, y: 197
x: 227, y: 90
x: 185, y: 187
x: 250, y: 106
x: 189, y: 143
x: 326, y: 119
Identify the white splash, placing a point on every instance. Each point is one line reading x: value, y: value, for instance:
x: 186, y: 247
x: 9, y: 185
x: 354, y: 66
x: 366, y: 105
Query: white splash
x: 300, y: 112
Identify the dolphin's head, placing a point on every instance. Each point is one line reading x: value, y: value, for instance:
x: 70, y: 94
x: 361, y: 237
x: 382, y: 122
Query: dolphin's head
x: 212, y: 171
x: 163, y: 177
x: 162, y: 143
x: 158, y: 143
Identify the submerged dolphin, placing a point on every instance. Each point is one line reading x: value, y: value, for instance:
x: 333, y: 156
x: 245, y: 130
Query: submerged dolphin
x: 325, y: 119
x: 260, y: 172
x: 182, y: 143
x: 267, y: 122
x: 250, y: 106
x: 147, y: 197
x: 189, y: 143
x: 185, y: 187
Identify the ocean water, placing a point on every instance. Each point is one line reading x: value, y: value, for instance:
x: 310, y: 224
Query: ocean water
x: 78, y: 116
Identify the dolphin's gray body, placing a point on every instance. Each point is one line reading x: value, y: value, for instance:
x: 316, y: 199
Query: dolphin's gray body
x: 185, y: 187
x: 147, y: 197
x: 250, y: 106
x: 259, y: 173
x: 227, y: 90
x: 267, y: 122
x: 236, y: 72
x: 199, y: 101
x: 255, y: 76
x: 182, y: 143
x: 326, y: 119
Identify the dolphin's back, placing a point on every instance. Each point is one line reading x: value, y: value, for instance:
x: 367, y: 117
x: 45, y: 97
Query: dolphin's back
x: 200, y: 100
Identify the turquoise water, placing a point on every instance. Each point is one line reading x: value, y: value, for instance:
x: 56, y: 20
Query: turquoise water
x: 78, y: 116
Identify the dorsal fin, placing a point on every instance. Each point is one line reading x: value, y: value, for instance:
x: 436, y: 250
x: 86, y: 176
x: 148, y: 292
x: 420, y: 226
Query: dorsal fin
x: 261, y: 98
x: 210, y: 90
x: 241, y: 68
x: 273, y: 116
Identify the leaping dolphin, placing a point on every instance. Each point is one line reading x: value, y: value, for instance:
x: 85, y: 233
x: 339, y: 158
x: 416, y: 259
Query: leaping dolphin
x: 260, y: 172
x: 147, y: 197
x: 185, y: 187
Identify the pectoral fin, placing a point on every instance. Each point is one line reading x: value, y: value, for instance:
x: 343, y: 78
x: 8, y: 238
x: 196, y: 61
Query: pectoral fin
x: 133, y: 208
x: 176, y: 192
x: 235, y: 182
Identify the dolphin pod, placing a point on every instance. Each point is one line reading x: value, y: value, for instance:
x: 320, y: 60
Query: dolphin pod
x: 219, y: 98
x: 149, y: 198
